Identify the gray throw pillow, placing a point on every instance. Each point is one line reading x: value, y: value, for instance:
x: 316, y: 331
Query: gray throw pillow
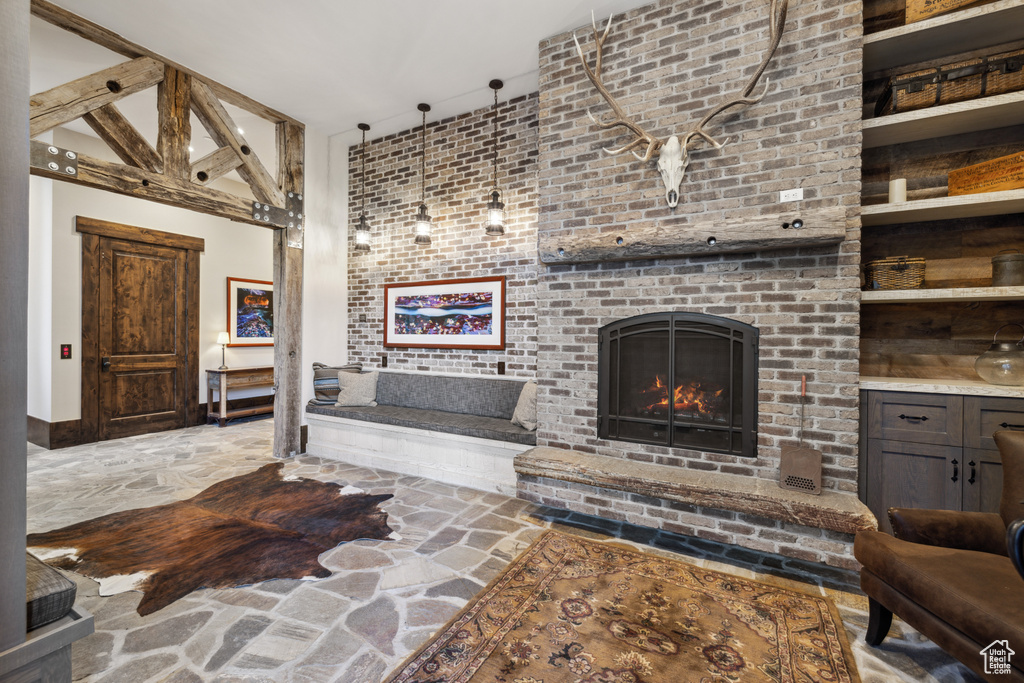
x: 525, y: 414
x: 357, y: 389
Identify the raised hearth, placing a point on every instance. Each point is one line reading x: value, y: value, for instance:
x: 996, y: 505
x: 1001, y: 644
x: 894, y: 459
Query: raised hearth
x: 842, y: 512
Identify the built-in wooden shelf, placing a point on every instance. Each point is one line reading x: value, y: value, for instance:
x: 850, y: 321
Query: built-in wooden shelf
x: 942, y: 208
x: 906, y: 296
x: 940, y: 386
x: 949, y: 119
x: 967, y: 29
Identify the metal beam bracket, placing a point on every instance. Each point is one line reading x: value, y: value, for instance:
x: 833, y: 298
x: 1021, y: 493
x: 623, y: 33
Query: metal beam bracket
x: 53, y: 159
x: 289, y: 217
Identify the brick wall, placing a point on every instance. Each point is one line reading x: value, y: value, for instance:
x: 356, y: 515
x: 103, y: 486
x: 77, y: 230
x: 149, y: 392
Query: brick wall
x: 458, y: 184
x: 667, y: 63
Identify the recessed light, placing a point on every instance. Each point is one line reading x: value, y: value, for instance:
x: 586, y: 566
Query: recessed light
x: 191, y: 149
x: 241, y: 132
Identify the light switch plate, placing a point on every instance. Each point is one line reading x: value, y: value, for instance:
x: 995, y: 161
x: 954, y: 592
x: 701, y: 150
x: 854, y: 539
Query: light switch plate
x: 791, y: 195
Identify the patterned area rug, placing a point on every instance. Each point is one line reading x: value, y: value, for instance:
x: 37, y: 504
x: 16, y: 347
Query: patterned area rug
x: 580, y: 611
x: 239, y: 531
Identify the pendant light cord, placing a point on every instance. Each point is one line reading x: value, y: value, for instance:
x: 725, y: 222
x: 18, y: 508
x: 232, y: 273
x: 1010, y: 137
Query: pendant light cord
x: 423, y: 161
x: 362, y: 181
x: 495, y: 117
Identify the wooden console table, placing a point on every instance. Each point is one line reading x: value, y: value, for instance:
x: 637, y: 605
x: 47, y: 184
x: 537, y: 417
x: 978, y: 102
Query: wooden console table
x: 223, y: 381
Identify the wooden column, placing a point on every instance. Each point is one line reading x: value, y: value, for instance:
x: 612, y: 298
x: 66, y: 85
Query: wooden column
x: 14, y: 84
x: 288, y: 298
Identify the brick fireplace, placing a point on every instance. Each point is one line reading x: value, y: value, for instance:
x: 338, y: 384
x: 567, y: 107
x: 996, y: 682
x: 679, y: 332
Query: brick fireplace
x: 666, y: 63
x: 670, y: 61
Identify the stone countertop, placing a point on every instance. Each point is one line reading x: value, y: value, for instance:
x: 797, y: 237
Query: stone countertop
x: 940, y: 386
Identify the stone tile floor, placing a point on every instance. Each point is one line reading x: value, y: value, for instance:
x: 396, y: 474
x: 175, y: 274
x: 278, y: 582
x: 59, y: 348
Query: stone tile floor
x: 386, y: 598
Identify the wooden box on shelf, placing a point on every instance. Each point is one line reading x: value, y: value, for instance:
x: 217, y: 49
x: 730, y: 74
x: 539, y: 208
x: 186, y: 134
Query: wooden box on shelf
x: 918, y: 10
x: 995, y: 175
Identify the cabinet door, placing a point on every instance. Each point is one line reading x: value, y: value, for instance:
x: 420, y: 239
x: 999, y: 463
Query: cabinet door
x: 986, y: 415
x: 912, y: 475
x: 983, y: 480
x: 916, y: 418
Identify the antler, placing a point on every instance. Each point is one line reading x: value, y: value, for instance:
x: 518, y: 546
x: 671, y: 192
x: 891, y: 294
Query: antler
x: 778, y: 14
x: 620, y: 118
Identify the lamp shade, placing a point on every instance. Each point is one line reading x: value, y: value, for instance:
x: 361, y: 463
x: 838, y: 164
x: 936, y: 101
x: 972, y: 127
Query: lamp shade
x: 423, y: 227
x: 223, y: 338
x: 495, y: 215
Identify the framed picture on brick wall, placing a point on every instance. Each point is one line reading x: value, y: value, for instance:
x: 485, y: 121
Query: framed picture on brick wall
x: 250, y: 312
x: 445, y: 314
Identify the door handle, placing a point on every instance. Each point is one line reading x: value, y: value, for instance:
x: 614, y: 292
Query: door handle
x: 973, y: 472
x: 105, y: 363
x: 956, y: 471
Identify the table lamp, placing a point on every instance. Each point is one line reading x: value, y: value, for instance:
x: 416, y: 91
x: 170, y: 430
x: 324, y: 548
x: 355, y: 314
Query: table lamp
x: 223, y: 339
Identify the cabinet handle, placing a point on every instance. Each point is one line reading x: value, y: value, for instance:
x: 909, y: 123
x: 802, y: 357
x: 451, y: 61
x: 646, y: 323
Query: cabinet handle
x: 956, y: 471
x: 921, y: 418
x: 1006, y: 425
x: 973, y: 472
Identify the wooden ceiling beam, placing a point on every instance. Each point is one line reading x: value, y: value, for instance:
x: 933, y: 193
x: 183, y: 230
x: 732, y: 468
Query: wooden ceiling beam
x: 65, y: 103
x: 225, y: 133
x: 95, y: 33
x: 122, y: 137
x: 214, y: 165
x: 174, y: 129
x: 157, y: 187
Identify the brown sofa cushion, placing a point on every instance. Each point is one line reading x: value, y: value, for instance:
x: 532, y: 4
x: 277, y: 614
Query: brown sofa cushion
x: 981, y: 531
x: 1011, y: 450
x: 980, y: 594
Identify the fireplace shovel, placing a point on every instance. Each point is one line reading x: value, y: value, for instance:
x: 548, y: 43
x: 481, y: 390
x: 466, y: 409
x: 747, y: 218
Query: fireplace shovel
x: 800, y: 468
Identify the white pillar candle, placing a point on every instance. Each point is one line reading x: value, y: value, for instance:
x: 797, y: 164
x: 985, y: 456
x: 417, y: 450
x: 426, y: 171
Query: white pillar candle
x: 897, y: 190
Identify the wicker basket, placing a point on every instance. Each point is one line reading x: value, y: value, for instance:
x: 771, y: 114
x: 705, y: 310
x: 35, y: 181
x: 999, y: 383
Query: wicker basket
x: 895, y: 272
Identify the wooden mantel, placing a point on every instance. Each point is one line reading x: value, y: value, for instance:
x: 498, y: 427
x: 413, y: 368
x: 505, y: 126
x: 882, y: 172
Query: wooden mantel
x: 841, y: 512
x: 667, y: 240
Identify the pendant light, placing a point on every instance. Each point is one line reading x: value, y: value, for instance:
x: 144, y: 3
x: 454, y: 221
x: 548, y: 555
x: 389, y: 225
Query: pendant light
x: 422, y: 219
x: 495, y: 207
x: 362, y: 229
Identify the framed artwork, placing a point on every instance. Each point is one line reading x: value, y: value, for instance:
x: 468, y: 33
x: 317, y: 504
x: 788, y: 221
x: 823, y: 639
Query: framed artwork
x: 446, y: 314
x: 250, y: 312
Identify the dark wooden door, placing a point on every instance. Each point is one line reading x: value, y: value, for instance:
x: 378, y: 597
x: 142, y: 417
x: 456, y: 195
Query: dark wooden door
x: 143, y: 344
x: 140, y: 309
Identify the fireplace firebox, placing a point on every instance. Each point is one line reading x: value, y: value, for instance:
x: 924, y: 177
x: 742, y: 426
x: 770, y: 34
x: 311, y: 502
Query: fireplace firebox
x: 684, y: 380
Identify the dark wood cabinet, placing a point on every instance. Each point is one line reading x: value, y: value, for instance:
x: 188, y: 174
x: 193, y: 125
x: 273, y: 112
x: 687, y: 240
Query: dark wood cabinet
x: 933, y: 451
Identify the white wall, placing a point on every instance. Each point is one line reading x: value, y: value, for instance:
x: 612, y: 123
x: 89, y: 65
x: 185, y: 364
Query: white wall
x: 325, y: 290
x: 42, y: 352
x: 232, y: 249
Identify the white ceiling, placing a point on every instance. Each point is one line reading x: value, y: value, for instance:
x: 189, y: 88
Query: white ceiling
x: 330, y: 63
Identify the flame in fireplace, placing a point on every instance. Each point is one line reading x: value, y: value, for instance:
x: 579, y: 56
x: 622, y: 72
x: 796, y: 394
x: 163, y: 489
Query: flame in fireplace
x: 689, y: 398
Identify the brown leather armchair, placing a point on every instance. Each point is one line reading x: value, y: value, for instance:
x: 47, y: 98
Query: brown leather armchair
x: 957, y: 577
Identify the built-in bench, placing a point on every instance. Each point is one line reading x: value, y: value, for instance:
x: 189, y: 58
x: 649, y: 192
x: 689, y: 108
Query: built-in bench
x: 449, y: 428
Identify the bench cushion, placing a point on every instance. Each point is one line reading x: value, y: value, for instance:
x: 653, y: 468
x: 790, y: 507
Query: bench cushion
x: 50, y: 595
x: 437, y: 420
x: 470, y: 395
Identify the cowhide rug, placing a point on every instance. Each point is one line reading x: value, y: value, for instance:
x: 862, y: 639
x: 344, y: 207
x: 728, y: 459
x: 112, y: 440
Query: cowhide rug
x: 240, y: 531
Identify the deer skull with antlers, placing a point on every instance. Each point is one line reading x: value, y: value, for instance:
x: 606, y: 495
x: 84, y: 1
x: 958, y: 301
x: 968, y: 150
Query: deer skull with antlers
x: 674, y: 152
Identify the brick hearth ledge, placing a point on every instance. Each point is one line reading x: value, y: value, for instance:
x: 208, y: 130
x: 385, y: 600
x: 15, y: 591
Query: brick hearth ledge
x: 842, y: 512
